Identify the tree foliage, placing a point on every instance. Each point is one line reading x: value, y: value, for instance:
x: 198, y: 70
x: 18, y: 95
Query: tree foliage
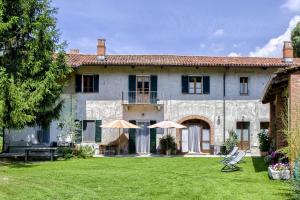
x: 33, y: 67
x: 295, y: 37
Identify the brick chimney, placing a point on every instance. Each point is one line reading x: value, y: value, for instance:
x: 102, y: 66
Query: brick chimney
x: 74, y: 51
x: 288, y: 53
x: 101, y: 49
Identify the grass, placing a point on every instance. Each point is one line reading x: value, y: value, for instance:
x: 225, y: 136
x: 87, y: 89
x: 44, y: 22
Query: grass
x: 139, y: 178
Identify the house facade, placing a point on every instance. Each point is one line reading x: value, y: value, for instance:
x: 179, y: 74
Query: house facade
x: 210, y: 95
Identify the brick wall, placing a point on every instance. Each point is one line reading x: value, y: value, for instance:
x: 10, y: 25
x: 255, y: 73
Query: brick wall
x: 294, y: 91
x: 295, y: 100
x: 279, y: 126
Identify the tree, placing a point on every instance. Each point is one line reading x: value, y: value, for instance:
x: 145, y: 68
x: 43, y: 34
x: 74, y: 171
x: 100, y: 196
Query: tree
x: 69, y: 129
x: 33, y: 67
x: 295, y: 36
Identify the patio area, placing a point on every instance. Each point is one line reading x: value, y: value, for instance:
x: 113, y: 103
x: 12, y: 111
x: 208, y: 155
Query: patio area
x: 139, y: 178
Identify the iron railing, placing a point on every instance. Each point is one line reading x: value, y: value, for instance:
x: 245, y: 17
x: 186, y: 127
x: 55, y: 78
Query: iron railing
x: 140, y: 97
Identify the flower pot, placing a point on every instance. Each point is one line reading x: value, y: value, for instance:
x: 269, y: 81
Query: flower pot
x: 279, y: 175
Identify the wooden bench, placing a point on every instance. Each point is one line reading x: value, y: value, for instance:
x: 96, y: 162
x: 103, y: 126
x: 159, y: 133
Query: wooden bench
x: 40, y: 149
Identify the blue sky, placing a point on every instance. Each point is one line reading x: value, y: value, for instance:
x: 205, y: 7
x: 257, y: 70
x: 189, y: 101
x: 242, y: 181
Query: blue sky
x: 189, y: 27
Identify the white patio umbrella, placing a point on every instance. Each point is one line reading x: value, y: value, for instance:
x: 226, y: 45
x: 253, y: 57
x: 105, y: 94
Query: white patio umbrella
x: 119, y: 124
x: 167, y: 125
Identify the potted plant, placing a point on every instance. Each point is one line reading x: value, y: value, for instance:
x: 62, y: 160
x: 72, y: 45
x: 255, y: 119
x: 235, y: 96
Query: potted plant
x: 230, y: 143
x: 264, y: 142
x: 279, y: 171
x: 167, y: 144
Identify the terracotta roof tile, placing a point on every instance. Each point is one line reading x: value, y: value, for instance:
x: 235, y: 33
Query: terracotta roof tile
x: 76, y: 60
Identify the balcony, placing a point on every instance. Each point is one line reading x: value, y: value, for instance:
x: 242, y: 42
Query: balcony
x: 140, y: 97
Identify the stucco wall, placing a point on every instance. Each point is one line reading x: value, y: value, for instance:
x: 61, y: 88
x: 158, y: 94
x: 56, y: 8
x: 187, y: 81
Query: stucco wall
x: 107, y: 104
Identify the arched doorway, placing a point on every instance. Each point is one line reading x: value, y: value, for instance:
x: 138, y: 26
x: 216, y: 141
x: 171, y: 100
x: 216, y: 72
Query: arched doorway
x: 197, y: 137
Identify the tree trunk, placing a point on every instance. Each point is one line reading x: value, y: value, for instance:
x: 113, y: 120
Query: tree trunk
x: 3, y: 140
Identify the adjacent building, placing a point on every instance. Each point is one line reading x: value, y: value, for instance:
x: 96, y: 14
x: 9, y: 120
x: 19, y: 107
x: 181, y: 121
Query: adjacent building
x: 283, y: 95
x: 210, y: 95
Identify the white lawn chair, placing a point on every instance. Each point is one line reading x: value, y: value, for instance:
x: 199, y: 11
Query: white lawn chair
x: 232, y: 165
x: 231, y: 155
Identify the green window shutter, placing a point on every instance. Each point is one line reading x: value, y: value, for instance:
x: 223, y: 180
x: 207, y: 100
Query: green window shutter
x: 78, y: 136
x: 96, y: 83
x: 152, y: 138
x: 78, y: 82
x: 98, y: 131
x: 206, y: 85
x: 153, y: 95
x: 185, y: 84
x: 131, y: 88
x: 131, y: 140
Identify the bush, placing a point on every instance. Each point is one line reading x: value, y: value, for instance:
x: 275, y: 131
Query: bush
x: 65, y: 152
x: 264, y: 141
x: 167, y: 143
x: 231, y: 142
x: 275, y: 157
x: 84, y: 151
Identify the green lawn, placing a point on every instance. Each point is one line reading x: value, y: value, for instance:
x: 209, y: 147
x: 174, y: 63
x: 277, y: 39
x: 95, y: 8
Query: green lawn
x: 139, y: 178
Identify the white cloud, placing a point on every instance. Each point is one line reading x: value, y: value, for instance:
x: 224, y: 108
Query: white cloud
x: 234, y: 54
x: 292, y: 5
x: 218, y: 33
x: 274, y: 47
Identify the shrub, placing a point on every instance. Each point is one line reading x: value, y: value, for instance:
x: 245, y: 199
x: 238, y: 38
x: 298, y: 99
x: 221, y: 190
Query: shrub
x: 264, y: 141
x: 276, y: 157
x: 167, y: 143
x: 65, y: 152
x: 231, y: 142
x: 84, y: 151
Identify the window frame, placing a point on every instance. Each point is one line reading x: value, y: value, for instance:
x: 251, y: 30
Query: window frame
x: 242, y: 93
x: 86, y: 121
x: 93, y: 82
x: 93, y: 85
x: 195, y: 84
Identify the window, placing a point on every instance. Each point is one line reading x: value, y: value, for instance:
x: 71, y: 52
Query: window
x: 264, y: 126
x: 244, y: 85
x: 195, y: 84
x: 87, y: 83
x: 91, y: 131
x: 143, y: 84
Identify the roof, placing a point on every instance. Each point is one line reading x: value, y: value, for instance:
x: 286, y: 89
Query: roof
x: 278, y: 82
x: 76, y: 60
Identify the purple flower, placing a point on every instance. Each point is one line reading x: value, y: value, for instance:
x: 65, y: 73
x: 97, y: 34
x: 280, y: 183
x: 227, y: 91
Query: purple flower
x: 280, y: 166
x: 273, y: 154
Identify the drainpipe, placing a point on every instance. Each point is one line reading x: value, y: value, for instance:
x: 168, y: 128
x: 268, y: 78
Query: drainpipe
x: 224, y: 104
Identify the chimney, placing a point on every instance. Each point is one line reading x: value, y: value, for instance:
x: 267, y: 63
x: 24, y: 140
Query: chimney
x: 74, y: 51
x: 101, y: 49
x: 288, y: 53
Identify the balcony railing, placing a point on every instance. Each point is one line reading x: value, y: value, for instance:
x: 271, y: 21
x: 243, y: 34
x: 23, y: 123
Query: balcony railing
x: 140, y: 97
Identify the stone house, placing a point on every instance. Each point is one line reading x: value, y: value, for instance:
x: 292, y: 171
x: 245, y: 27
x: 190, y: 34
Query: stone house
x: 210, y: 95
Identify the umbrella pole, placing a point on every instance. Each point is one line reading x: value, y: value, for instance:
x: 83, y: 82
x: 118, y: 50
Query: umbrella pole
x: 119, y: 142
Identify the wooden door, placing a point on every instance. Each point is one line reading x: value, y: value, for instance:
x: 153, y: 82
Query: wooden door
x: 243, y: 133
x: 143, y: 89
